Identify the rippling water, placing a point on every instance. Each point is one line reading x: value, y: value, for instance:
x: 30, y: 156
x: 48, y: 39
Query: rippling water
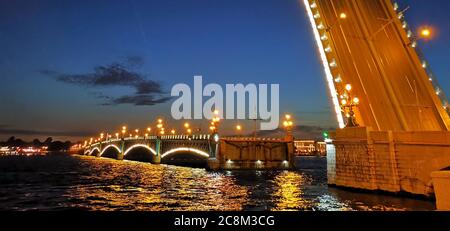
x: 88, y: 183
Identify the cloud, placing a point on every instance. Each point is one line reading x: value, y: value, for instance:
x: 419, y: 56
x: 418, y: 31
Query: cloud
x: 147, y: 91
x: 139, y: 100
x: 99, y: 95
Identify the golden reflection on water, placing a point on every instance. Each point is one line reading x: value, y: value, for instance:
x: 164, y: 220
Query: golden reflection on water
x: 289, y: 195
x: 141, y: 186
x: 89, y: 183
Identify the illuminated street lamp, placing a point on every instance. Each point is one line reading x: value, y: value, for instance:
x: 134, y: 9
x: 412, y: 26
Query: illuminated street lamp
x: 425, y: 33
x: 288, y: 124
x: 288, y: 117
x: 348, y: 103
x: 342, y: 16
x: 215, y: 122
x: 348, y: 87
x: 117, y: 135
x: 239, y: 129
x: 173, y: 131
x: 124, y: 131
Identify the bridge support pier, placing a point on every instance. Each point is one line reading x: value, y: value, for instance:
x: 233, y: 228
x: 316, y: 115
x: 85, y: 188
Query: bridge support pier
x: 214, y: 164
x: 156, y: 159
x: 242, y: 154
x: 388, y: 161
x: 120, y: 156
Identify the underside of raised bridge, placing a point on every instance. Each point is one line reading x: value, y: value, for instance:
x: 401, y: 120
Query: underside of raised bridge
x: 403, y: 114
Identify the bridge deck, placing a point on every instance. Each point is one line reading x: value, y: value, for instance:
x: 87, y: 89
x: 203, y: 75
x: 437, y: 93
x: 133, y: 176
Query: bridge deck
x: 375, y: 54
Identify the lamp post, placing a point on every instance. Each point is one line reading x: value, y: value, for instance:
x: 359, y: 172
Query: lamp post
x: 161, y: 128
x: 215, y: 122
x: 348, y: 102
x: 288, y: 124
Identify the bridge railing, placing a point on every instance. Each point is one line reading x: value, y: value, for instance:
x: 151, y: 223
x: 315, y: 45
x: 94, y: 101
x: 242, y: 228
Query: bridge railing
x: 166, y: 137
x: 244, y: 139
x: 187, y: 137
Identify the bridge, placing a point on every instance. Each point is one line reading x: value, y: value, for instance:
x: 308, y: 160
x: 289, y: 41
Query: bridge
x: 155, y: 148
x: 393, y: 115
x: 206, y: 150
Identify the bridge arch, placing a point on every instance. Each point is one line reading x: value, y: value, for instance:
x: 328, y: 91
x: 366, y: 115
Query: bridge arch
x: 93, y: 150
x: 108, y: 147
x: 185, y: 149
x: 139, y: 146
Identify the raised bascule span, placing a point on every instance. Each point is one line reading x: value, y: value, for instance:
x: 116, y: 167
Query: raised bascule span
x: 402, y: 112
x: 367, y: 44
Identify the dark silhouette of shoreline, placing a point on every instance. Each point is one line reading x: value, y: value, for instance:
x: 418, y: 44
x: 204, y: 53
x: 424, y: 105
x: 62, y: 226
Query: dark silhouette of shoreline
x: 49, y: 144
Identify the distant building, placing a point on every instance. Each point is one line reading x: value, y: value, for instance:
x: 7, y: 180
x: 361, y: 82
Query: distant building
x: 310, y: 147
x: 4, y: 150
x: 8, y: 150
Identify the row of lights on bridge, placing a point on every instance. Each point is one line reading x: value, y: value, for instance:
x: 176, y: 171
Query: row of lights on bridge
x: 214, y: 125
x: 424, y: 33
x: 347, y: 103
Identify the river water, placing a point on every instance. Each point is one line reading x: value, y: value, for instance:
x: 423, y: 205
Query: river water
x: 60, y: 182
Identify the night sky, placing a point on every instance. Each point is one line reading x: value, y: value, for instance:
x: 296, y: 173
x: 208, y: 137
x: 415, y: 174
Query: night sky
x: 46, y: 46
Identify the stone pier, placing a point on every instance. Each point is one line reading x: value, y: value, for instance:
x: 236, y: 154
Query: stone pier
x: 253, y: 153
x: 388, y: 161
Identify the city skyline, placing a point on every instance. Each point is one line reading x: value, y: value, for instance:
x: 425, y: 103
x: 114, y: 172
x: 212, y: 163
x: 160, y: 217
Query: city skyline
x: 49, y: 44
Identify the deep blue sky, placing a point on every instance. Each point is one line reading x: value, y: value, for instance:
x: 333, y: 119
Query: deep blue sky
x: 226, y: 41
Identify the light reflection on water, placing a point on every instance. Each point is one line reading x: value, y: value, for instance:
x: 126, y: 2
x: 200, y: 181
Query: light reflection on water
x: 88, y: 183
